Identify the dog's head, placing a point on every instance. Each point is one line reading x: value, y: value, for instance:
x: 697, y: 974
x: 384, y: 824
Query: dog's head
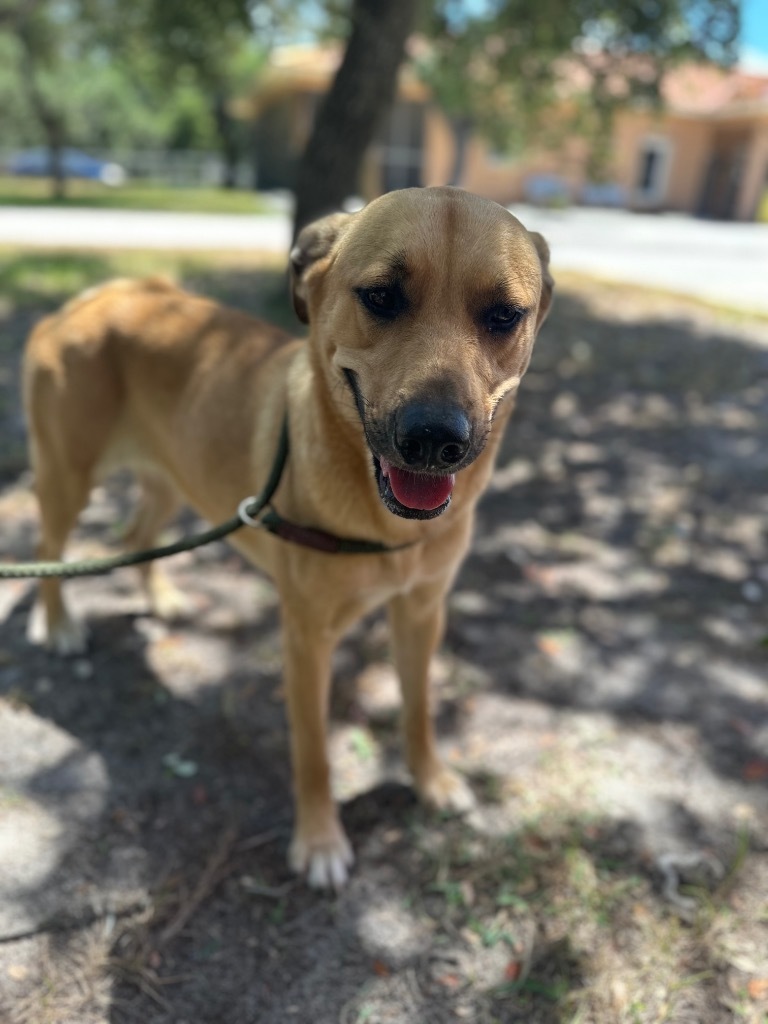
x: 425, y: 306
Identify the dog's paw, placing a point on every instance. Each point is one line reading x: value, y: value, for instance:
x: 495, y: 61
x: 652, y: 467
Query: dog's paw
x: 323, y: 859
x: 445, y: 790
x: 67, y: 638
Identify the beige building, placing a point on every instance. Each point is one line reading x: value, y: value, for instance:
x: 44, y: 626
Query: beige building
x: 705, y: 153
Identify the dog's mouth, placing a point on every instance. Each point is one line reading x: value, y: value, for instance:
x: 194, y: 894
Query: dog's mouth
x: 404, y: 492
x: 412, y: 495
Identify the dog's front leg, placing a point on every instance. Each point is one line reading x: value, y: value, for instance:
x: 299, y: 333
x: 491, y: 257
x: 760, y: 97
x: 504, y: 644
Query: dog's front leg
x: 417, y: 620
x: 319, y: 848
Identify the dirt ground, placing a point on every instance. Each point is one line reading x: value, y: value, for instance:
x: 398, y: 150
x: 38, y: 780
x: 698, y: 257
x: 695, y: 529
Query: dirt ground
x: 603, y: 684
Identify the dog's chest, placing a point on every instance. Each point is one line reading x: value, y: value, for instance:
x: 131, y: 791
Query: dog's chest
x: 388, y: 576
x: 344, y: 588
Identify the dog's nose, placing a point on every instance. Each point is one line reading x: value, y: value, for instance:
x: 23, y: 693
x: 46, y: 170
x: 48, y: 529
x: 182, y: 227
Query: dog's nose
x: 432, y: 436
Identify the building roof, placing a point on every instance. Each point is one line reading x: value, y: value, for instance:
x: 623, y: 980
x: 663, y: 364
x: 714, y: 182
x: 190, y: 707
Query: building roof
x: 690, y: 90
x: 706, y: 90
x: 311, y: 68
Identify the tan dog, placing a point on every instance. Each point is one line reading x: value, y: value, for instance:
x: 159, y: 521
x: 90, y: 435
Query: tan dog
x: 423, y: 309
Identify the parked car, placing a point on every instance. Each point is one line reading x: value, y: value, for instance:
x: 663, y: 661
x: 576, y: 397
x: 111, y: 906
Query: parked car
x: 604, y: 194
x: 547, y: 190
x: 36, y: 163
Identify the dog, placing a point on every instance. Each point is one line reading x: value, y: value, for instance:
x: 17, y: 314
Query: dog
x: 422, y: 310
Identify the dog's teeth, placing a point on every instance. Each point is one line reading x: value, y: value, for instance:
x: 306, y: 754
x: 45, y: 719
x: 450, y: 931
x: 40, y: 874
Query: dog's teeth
x: 384, y: 467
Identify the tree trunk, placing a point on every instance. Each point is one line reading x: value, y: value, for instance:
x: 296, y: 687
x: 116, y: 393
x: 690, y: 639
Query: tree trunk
x: 54, y: 133
x: 51, y: 121
x: 360, y: 96
x: 600, y: 149
x: 227, y: 131
x: 462, y: 130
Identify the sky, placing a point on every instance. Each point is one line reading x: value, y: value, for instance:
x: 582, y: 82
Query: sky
x: 754, y: 34
x: 753, y: 53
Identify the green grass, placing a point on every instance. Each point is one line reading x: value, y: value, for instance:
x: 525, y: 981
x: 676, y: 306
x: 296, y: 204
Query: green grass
x: 27, y: 279
x: 132, y: 196
x: 558, y: 937
x: 41, y: 280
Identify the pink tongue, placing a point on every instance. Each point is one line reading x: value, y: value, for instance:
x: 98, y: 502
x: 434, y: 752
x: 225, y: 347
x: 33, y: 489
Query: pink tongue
x: 417, y: 490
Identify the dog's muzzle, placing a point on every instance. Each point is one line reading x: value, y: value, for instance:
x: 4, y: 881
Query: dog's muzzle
x: 431, y: 437
x: 417, y: 453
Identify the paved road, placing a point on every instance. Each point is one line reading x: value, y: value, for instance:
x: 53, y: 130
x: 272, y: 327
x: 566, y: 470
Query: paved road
x: 131, y: 229
x: 720, y: 262
x: 724, y: 263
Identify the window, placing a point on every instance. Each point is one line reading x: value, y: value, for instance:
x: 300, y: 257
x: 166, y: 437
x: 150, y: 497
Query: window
x: 652, y: 170
x: 401, y: 147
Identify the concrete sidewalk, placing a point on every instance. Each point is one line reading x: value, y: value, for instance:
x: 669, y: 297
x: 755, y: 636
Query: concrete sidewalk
x: 81, y: 228
x: 723, y: 263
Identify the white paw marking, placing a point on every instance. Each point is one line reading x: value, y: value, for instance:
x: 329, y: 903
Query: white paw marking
x: 325, y: 863
x: 67, y: 638
x: 447, y: 791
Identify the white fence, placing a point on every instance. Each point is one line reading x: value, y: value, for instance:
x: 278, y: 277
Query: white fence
x: 188, y: 167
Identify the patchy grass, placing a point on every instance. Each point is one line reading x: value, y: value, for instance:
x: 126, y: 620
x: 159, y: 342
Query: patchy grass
x: 655, y: 301
x: 70, y: 981
x: 41, y: 280
x: 561, y: 921
x: 132, y: 196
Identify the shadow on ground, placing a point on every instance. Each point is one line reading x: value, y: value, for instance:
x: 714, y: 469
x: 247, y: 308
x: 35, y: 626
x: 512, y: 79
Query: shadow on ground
x: 604, y: 687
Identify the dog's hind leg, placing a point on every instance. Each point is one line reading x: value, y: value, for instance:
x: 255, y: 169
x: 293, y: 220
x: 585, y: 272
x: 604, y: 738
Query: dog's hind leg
x: 71, y: 400
x: 417, y: 622
x: 62, y: 493
x: 157, y: 506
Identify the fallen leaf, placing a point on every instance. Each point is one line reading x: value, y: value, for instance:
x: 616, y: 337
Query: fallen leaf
x: 380, y: 968
x: 755, y: 771
x: 554, y: 642
x: 619, y: 995
x: 757, y: 988
x: 741, y: 726
x: 449, y: 980
x: 18, y: 972
x: 512, y: 970
x: 467, y: 892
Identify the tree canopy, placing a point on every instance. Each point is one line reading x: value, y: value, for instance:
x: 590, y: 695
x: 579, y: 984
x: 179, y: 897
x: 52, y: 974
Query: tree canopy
x: 494, y: 67
x: 117, y: 76
x: 110, y: 74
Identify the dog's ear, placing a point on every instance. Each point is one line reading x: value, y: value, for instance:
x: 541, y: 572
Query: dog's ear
x: 315, y: 241
x: 547, y: 282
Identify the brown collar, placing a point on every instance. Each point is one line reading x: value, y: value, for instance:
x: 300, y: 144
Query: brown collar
x: 258, y: 511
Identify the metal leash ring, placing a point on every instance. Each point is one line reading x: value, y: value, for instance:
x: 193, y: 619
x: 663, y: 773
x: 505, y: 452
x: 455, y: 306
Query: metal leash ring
x: 244, y: 516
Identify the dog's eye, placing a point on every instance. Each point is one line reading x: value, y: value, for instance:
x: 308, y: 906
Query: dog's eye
x: 501, y: 318
x: 384, y: 302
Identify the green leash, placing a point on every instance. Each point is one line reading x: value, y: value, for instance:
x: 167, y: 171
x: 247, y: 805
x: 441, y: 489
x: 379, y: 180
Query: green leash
x: 250, y: 512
